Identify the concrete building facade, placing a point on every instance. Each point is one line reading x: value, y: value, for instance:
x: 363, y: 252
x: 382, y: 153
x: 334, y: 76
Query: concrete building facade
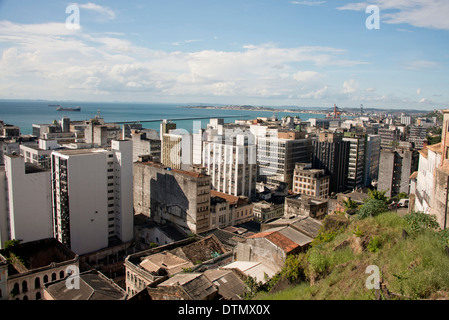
x: 308, y: 181
x: 178, y: 196
x: 92, y: 198
x: 29, y: 200
x: 331, y: 153
x: 397, y: 165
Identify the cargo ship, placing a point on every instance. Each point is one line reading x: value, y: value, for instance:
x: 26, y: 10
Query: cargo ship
x: 68, y: 109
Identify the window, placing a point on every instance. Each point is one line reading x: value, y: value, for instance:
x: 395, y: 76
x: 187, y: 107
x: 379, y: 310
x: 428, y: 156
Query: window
x: 61, y: 274
x: 24, y: 286
x: 53, y: 276
x: 45, y: 279
x: 37, y: 283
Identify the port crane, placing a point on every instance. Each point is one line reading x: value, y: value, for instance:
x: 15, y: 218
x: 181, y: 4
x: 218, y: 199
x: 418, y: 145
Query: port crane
x: 336, y: 112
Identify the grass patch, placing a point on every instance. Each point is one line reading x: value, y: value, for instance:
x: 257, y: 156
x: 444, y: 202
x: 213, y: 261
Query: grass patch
x: 414, y: 265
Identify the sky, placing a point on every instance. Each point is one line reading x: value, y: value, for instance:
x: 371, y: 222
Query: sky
x: 259, y: 52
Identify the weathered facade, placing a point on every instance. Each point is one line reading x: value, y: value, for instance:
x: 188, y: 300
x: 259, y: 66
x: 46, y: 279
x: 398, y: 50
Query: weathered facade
x: 177, y: 196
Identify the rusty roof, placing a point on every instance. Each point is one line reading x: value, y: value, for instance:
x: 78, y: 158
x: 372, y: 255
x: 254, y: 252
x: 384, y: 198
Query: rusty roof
x: 229, y: 197
x: 286, y: 238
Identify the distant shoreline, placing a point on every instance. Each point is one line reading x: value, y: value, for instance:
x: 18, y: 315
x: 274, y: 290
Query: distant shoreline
x: 347, y: 112
x: 249, y: 108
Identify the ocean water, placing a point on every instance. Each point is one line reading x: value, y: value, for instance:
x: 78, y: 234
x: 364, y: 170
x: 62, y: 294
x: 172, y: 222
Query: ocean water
x: 26, y: 113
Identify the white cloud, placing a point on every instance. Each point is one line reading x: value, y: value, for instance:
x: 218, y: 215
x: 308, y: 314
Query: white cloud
x: 308, y: 3
x: 418, y: 91
x: 305, y: 76
x: 350, y: 86
x: 107, y: 13
x: 419, y: 13
x: 52, y: 62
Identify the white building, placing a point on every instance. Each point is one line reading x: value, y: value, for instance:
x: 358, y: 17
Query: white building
x: 28, y: 201
x: 429, y: 160
x: 92, y: 196
x: 231, y: 163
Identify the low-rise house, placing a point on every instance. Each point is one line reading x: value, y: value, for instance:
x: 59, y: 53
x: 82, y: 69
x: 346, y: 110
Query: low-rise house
x: 302, y: 205
x: 258, y: 270
x: 272, y: 246
x: 266, y: 210
x: 306, y: 225
x: 90, y: 285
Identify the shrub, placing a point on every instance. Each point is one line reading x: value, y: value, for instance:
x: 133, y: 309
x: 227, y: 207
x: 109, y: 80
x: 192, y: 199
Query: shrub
x: 318, y: 262
x: 372, y: 208
x: 374, y: 244
x: 419, y: 221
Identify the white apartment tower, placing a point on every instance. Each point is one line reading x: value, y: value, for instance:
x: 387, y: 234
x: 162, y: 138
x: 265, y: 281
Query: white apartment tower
x: 25, y: 212
x: 92, y: 196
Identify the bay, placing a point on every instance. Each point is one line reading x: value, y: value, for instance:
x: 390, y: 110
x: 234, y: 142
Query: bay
x: 28, y: 112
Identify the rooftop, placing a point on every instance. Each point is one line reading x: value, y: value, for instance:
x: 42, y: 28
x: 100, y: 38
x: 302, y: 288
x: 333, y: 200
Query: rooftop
x: 165, y: 261
x: 41, y: 253
x: 93, y: 286
x: 229, y: 285
x: 286, y: 238
x: 196, y: 285
x: 435, y: 147
x: 253, y: 269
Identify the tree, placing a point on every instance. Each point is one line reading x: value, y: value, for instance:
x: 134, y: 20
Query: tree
x: 377, y: 195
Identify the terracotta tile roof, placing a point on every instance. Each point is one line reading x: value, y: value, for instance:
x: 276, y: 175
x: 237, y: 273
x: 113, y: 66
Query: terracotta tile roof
x: 277, y: 238
x: 229, y: 197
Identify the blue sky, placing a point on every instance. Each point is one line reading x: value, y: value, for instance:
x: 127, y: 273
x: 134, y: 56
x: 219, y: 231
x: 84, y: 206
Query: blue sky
x: 260, y: 52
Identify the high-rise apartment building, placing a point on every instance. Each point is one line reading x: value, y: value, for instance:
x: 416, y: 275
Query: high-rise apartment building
x: 25, y: 201
x: 92, y: 196
x: 356, y: 164
x: 372, y: 156
x: 396, y: 166
x: 331, y: 153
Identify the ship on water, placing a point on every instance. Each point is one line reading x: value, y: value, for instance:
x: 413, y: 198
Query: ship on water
x: 59, y: 108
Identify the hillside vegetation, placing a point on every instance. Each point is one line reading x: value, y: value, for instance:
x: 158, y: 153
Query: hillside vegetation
x: 411, y: 253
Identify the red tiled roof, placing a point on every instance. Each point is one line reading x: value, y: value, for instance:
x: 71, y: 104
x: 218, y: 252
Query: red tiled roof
x: 229, y: 197
x: 278, y: 239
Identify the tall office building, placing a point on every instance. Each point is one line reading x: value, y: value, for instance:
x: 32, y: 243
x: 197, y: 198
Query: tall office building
x: 418, y: 135
x: 277, y: 153
x: 331, y: 153
x: 230, y: 160
x: 396, y: 166
x: 356, y: 164
x: 92, y: 196
x: 372, y: 156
